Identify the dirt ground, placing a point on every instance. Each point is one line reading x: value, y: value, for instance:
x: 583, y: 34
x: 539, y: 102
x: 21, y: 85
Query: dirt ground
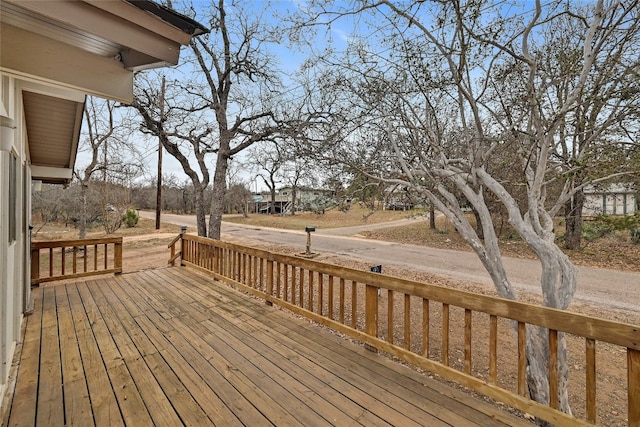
x: 149, y: 250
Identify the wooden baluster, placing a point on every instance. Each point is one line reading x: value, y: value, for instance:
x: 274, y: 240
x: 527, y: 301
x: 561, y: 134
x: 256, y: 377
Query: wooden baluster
x: 106, y: 256
x: 293, y: 285
x: 493, y: 349
x: 390, y: 315
x: 84, y: 256
x: 278, y: 281
x: 407, y: 322
x: 285, y: 290
x: 425, y: 327
x: 95, y: 257
x: 301, y: 296
x: 320, y: 293
x: 256, y: 279
x: 371, y: 313
x: 64, y: 259
x: 75, y: 259
x: 467, y: 341
x: 591, y: 379
x: 354, y: 305
x: 553, y: 369
x: 342, y: 296
x: 522, y: 359
x: 249, y: 267
x: 310, y: 290
x: 261, y: 286
x: 244, y: 268
x: 330, y: 303
x: 633, y: 387
x: 269, y: 281
x: 445, y: 334
x: 51, y: 262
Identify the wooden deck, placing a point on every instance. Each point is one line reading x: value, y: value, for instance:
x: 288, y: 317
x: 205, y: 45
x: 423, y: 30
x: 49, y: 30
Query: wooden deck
x: 171, y: 347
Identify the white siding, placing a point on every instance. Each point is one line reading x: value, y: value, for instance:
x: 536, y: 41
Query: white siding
x: 13, y: 285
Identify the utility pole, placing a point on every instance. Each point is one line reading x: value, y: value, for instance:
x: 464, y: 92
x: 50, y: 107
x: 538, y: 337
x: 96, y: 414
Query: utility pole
x: 159, y: 189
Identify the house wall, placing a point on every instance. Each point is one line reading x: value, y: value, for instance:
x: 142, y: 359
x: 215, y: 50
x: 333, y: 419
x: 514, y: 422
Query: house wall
x: 610, y: 204
x: 14, y: 287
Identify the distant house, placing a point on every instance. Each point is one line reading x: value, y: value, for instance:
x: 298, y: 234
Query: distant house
x: 613, y: 199
x: 398, y: 198
x: 307, y: 198
x: 52, y: 55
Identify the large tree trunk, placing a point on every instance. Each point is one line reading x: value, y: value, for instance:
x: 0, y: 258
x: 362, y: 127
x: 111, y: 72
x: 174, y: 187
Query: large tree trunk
x: 479, y: 230
x: 294, y: 194
x: 573, y: 221
x: 219, y: 190
x: 432, y: 217
x: 273, y: 200
x: 538, y: 369
x: 201, y: 210
x: 558, y: 281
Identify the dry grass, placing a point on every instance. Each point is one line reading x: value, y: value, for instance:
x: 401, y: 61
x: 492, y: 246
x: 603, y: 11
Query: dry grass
x: 357, y: 215
x: 615, y: 252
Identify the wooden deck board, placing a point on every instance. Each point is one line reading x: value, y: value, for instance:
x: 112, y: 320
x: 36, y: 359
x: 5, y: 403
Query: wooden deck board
x: 25, y: 396
x: 104, y: 404
x: 173, y: 347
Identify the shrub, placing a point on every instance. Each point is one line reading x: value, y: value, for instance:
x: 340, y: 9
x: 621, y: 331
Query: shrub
x: 130, y: 218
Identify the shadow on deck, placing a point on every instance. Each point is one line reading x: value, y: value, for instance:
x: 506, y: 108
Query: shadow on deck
x: 172, y: 347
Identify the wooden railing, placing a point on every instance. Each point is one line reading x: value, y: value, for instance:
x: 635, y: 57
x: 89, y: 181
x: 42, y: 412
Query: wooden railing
x: 378, y: 310
x: 66, y: 259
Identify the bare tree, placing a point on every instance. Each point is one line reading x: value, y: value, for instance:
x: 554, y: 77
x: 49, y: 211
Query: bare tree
x: 241, y: 84
x: 109, y: 152
x: 182, y: 130
x: 426, y: 89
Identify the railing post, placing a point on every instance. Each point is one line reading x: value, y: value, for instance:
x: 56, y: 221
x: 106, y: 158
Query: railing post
x: 35, y: 266
x: 173, y: 254
x: 182, y: 250
x: 371, y: 313
x: 633, y: 385
x: 269, y: 282
x: 117, y: 256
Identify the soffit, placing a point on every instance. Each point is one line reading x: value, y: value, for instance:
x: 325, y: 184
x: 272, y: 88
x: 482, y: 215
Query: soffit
x: 53, y: 129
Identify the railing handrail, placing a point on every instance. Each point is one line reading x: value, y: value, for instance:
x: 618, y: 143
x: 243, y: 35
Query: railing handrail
x: 45, y: 244
x: 623, y: 334
x: 239, y: 265
x: 98, y: 268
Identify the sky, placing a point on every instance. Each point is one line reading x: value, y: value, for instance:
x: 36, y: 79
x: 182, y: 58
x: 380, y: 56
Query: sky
x: 338, y: 36
x: 289, y: 61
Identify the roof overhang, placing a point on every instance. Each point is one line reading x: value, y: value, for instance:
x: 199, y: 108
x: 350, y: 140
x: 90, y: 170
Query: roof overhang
x: 62, y: 50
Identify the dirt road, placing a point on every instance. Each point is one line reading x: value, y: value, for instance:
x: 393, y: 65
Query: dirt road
x: 616, y: 289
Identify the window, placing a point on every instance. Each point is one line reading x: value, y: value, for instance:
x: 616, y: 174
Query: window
x: 4, y: 95
x: 12, y: 197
